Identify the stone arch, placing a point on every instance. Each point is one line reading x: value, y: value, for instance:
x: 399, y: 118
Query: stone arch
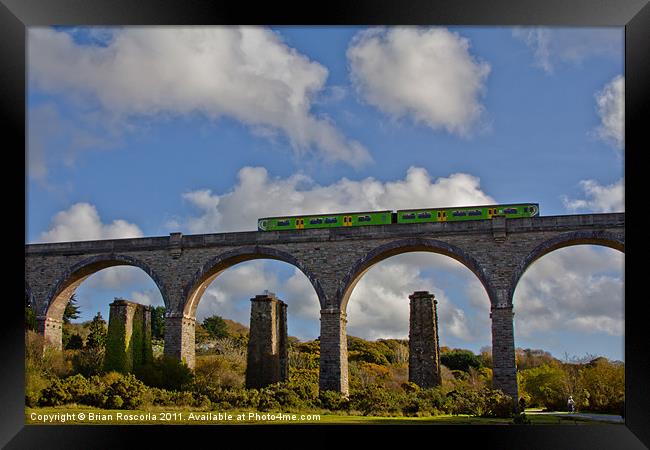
x: 70, y: 280
x: 602, y: 238
x: 394, y: 248
x: 194, y: 290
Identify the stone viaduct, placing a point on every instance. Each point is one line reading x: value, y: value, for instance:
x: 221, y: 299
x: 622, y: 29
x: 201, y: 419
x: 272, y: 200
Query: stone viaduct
x: 497, y: 251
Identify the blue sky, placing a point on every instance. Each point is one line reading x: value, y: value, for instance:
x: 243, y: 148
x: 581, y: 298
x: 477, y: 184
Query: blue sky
x: 147, y: 131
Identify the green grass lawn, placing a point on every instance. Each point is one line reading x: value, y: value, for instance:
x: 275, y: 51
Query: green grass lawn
x: 86, y: 415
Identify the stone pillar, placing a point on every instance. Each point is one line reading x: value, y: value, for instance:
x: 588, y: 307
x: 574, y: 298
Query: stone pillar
x: 267, y: 358
x: 51, y: 330
x: 504, y: 369
x: 424, y: 346
x: 128, y: 343
x: 179, y: 337
x: 333, y: 351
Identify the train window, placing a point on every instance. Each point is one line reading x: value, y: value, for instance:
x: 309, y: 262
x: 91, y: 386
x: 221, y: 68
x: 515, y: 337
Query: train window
x: 408, y: 216
x: 424, y: 215
x: 315, y: 221
x: 510, y: 210
x: 459, y: 214
x: 363, y: 218
x: 283, y: 223
x: 526, y: 209
x: 330, y: 220
x: 476, y: 212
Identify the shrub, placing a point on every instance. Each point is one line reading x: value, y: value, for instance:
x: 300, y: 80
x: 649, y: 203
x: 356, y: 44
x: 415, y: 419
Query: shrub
x: 333, y: 401
x: 128, y: 388
x: 55, y: 394
x: 166, y: 372
x: 89, y: 361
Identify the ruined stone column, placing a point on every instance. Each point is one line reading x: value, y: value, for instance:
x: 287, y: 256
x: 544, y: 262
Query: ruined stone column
x: 51, y: 330
x: 424, y: 347
x: 128, y: 343
x: 504, y: 371
x: 179, y: 337
x: 333, y: 351
x: 267, y: 359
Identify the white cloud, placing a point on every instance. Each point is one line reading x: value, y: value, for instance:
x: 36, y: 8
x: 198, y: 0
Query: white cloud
x: 557, y: 46
x: 426, y: 74
x: 258, y: 195
x: 610, y: 102
x: 379, y: 304
x: 577, y: 289
x: 246, y: 73
x: 81, y: 222
x: 599, y: 198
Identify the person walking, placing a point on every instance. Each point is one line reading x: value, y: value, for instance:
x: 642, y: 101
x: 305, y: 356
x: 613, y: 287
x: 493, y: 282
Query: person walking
x: 571, y: 405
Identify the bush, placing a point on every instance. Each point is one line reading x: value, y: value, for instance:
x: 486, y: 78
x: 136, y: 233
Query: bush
x: 166, y: 372
x: 130, y: 390
x: 89, y: 361
x: 333, y: 400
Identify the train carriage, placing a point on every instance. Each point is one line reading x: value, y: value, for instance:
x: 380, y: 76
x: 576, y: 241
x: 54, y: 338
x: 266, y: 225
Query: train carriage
x: 464, y: 213
x: 354, y: 219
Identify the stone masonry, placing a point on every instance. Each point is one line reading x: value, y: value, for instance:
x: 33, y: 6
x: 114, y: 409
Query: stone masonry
x: 424, y: 346
x: 128, y: 343
x: 498, y: 252
x: 268, y: 358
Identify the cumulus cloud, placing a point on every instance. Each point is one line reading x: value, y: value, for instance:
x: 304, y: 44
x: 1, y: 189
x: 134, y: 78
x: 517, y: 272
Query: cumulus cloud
x: 610, y: 103
x: 256, y: 195
x: 599, y: 198
x: 81, y: 222
x: 379, y: 304
x: 425, y: 74
x: 245, y: 73
x: 578, y: 289
x: 557, y: 46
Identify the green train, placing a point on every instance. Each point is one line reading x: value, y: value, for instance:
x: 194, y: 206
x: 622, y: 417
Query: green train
x: 423, y: 215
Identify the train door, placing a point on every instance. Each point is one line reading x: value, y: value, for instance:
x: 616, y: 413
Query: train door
x: 347, y: 221
x: 300, y: 224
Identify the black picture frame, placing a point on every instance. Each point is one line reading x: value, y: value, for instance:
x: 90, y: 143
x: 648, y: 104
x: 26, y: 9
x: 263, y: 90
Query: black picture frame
x: 634, y: 15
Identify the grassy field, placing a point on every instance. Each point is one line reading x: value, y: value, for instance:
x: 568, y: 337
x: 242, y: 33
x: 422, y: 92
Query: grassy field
x: 85, y: 415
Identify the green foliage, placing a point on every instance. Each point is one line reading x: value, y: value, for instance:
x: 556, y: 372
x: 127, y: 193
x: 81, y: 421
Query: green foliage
x: 333, y: 401
x: 546, y: 386
x: 72, y: 310
x: 166, y: 372
x: 75, y: 342
x: 30, y: 318
x: 216, y: 327
x: 602, y: 383
x: 158, y: 322
x: 88, y: 361
x: 461, y: 360
x: 218, y: 370
x: 98, y: 331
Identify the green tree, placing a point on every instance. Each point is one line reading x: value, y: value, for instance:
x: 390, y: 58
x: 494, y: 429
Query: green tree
x: 216, y: 326
x: 30, y: 315
x: 75, y: 342
x: 461, y: 360
x: 158, y: 322
x: 547, y: 385
x: 71, y: 311
x: 97, y: 336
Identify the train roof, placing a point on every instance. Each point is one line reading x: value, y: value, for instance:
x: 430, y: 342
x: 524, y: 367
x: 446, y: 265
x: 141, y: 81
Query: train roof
x: 326, y: 214
x: 464, y: 207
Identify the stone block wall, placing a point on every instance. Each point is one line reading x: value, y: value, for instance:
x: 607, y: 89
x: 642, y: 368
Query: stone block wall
x: 128, y: 343
x: 424, y: 346
x: 268, y: 357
